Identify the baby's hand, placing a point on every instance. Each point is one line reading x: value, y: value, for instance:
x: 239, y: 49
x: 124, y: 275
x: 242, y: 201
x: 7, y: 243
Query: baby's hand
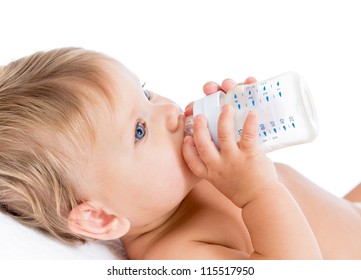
x: 227, y: 84
x: 212, y: 87
x: 239, y: 170
x: 242, y: 172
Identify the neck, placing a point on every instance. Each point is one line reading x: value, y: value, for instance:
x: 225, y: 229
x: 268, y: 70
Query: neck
x: 139, y: 240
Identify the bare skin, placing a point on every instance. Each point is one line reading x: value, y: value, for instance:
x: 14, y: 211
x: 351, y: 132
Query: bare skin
x: 198, y: 228
x: 336, y: 222
x: 355, y: 194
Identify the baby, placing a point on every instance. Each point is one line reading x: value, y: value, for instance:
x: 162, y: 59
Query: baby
x: 87, y: 153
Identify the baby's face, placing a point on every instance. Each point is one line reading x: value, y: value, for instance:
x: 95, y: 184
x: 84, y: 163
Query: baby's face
x: 137, y: 159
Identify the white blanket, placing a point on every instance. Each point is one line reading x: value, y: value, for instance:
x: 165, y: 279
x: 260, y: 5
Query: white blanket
x: 20, y: 242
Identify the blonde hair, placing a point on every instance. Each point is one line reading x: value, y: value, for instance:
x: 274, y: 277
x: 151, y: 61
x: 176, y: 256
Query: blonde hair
x: 46, y: 130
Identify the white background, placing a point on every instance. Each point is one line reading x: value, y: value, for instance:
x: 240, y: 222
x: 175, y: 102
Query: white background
x: 176, y: 46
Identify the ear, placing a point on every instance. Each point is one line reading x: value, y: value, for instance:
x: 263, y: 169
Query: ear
x: 94, y: 222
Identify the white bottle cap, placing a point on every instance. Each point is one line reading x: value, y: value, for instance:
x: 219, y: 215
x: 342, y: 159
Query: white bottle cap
x: 210, y: 107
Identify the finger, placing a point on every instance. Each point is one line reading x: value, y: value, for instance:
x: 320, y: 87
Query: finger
x: 250, y: 80
x: 227, y: 84
x: 249, y: 139
x: 192, y: 158
x: 226, y: 136
x: 207, y: 150
x: 211, y: 87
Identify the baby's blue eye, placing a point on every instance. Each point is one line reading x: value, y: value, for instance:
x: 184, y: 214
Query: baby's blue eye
x: 140, y: 132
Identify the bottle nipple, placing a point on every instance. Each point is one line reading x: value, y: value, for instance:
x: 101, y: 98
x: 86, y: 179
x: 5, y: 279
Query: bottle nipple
x: 188, y: 125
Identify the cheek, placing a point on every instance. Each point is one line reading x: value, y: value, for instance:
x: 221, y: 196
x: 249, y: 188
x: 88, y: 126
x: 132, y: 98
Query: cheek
x: 166, y: 169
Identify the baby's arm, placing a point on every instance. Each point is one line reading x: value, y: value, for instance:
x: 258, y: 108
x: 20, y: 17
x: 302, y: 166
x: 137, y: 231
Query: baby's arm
x: 243, y: 173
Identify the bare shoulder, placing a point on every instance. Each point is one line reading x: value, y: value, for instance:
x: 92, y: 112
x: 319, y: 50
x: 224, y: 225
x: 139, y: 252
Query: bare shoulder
x: 211, y: 227
x: 335, y: 221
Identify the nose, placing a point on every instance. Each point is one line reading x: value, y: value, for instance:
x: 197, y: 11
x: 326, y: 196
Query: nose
x: 170, y: 112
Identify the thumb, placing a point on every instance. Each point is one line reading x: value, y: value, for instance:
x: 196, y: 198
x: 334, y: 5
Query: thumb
x: 249, y: 139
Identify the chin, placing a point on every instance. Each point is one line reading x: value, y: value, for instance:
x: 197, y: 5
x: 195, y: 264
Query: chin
x: 192, y: 179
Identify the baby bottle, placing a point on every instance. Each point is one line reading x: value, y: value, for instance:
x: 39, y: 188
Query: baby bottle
x: 285, y: 109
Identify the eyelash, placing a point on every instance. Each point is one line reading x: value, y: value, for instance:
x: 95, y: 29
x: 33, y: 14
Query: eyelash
x: 140, y: 131
x: 147, y: 94
x: 140, y: 128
